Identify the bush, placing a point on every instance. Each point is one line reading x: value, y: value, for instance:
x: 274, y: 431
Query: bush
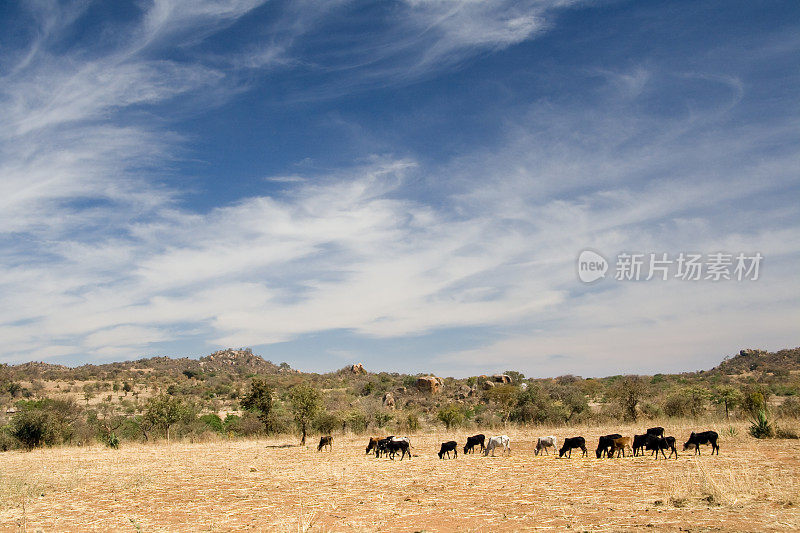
x: 677, y: 405
x: 790, y: 408
x: 412, y: 422
x: 44, y: 422
x: 357, y: 421
x: 785, y: 433
x: 760, y: 427
x: 213, y: 421
x: 382, y: 418
x: 326, y: 422
x: 7, y: 442
x: 31, y: 428
x: 110, y: 439
x: 451, y: 415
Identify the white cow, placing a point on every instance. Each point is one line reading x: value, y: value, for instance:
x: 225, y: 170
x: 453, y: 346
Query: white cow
x: 496, y: 442
x: 544, y: 443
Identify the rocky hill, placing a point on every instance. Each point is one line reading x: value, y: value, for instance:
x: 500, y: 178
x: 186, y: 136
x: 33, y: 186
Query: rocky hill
x: 754, y: 360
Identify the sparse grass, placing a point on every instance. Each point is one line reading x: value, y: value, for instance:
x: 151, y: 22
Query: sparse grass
x: 259, y: 485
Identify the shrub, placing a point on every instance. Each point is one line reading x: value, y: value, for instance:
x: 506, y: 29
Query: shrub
x: 760, y: 427
x: 326, y: 422
x: 110, y: 439
x: 213, y: 421
x: 31, y: 428
x: 412, y: 422
x: 44, y: 422
x: 677, y: 405
x: 451, y: 415
x: 790, y: 408
x: 7, y: 442
x: 356, y: 420
x: 382, y: 418
x: 785, y: 433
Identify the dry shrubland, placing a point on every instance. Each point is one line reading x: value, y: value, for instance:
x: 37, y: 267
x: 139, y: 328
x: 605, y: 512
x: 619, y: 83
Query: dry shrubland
x: 227, y: 485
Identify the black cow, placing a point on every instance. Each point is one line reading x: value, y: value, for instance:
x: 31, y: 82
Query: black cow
x: 395, y: 446
x: 656, y: 432
x: 447, y: 447
x: 570, y: 443
x: 660, y: 444
x: 325, y: 441
x: 605, y: 443
x: 474, y: 441
x: 639, y: 442
x: 383, y: 446
x: 704, y: 437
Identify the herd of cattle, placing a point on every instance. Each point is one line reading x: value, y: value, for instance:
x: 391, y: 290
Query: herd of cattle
x: 608, y: 445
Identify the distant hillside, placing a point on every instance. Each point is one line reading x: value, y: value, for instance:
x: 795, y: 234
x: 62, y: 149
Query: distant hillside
x: 750, y: 360
x: 212, y: 391
x: 233, y: 361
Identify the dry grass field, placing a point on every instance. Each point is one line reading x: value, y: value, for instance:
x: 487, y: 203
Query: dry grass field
x: 257, y: 485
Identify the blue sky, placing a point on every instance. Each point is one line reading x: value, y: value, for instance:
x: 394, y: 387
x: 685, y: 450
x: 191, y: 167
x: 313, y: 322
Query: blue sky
x: 403, y: 184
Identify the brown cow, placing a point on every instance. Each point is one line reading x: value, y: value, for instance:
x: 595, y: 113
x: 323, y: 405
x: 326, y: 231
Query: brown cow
x: 619, y: 445
x: 327, y: 440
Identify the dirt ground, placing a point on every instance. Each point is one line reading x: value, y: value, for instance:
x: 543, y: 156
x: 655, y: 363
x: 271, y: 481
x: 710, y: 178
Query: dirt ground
x: 256, y: 485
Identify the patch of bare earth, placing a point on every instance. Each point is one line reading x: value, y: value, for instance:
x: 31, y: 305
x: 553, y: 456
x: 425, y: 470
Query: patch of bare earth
x: 250, y: 485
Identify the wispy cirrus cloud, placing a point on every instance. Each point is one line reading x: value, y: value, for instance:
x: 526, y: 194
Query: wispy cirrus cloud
x: 104, y: 257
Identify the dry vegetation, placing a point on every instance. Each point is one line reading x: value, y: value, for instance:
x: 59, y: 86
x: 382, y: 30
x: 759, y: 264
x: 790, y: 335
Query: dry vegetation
x: 255, y: 484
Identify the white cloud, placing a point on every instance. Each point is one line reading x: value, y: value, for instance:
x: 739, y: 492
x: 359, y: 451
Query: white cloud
x: 99, y: 261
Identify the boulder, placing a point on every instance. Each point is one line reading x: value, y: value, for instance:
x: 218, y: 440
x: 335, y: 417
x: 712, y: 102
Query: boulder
x: 465, y: 391
x: 486, y: 385
x: 388, y: 401
x: 501, y: 378
x: 429, y: 384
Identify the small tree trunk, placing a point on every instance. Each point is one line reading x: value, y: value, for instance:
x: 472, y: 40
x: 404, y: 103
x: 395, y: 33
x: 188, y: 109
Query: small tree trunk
x: 303, y: 440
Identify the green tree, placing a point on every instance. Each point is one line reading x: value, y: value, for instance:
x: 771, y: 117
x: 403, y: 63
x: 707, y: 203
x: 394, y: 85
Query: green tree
x: 326, y: 422
x: 45, y: 422
x: 628, y: 392
x: 696, y: 397
x: 755, y: 400
x: 356, y: 421
x: 451, y: 415
x: 382, y: 418
x: 164, y: 411
x: 503, y: 397
x: 259, y: 400
x: 727, y: 396
x: 305, y: 403
x: 30, y: 428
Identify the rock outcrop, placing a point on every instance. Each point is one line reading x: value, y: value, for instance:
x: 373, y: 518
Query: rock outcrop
x: 430, y: 384
x: 388, y: 401
x: 358, y: 369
